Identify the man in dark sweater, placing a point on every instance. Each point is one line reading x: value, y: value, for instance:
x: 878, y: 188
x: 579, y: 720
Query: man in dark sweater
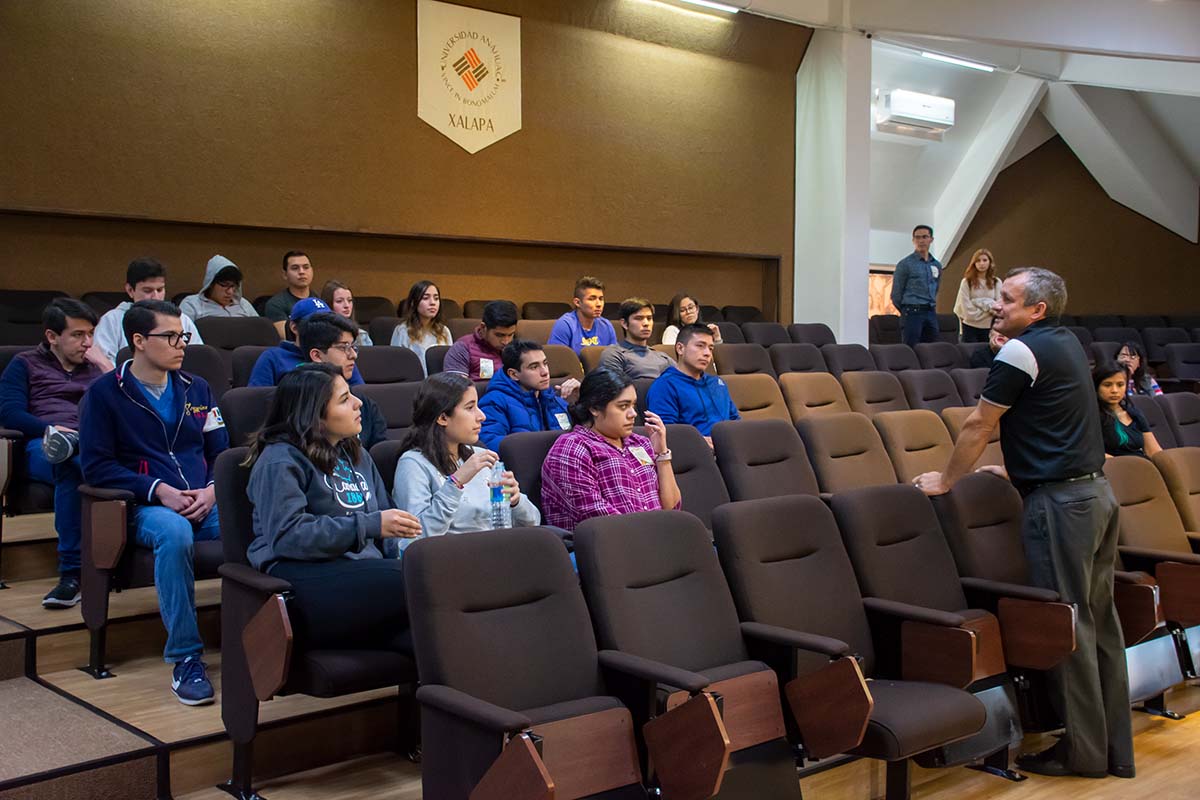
x: 152, y: 430
x: 40, y: 392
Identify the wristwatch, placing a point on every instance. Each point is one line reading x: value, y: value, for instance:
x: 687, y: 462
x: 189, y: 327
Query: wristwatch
x: 663, y: 456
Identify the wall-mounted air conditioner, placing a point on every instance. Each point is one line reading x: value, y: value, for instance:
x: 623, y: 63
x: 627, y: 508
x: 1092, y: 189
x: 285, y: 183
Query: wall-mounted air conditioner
x: 923, y: 116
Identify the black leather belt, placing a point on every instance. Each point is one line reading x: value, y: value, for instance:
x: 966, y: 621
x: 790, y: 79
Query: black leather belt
x: 1029, y: 487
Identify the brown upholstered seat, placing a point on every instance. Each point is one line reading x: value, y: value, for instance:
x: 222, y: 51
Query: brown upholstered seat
x: 871, y: 392
x: 1180, y: 469
x: 894, y: 357
x: 1152, y: 410
x: 380, y: 329
x: 812, y: 393
x: 814, y: 333
x: 1183, y: 361
x: 435, y: 358
x: 757, y: 396
x: 955, y: 418
x: 841, y: 358
x: 701, y: 487
x: 243, y: 361
x: 230, y: 333
x: 1182, y: 411
x: 846, y: 452
x: 940, y: 355
x: 884, y: 329
x: 931, y: 389
x: 743, y: 359
x: 473, y: 309
x: 794, y: 357
x: 563, y: 362
x: 245, y: 410
x: 916, y: 441
x: 387, y: 364
x: 970, y: 383
x: 731, y: 333
x: 739, y: 315
x: 762, y: 458
x: 550, y: 310
x: 590, y: 357
x: 1116, y: 333
x: 765, y: 334
x: 395, y: 401
x: 536, y: 330
x: 462, y: 326
x: 1158, y: 339
x: 523, y: 453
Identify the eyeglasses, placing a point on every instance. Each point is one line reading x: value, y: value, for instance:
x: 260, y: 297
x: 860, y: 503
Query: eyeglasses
x: 173, y: 337
x: 348, y: 349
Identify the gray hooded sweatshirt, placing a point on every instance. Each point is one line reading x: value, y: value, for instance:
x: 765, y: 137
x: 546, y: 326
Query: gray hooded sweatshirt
x: 198, y: 305
x: 302, y: 514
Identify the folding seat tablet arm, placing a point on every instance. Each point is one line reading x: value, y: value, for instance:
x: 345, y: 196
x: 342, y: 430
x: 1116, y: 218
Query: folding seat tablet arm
x: 103, y: 545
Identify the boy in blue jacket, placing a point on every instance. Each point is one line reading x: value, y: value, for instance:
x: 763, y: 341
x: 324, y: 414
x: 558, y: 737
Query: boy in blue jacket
x: 278, y: 361
x: 519, y: 398
x: 149, y: 429
x: 686, y: 393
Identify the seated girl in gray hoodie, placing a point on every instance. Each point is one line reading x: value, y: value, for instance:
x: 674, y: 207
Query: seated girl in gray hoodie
x: 442, y: 476
x: 322, y: 518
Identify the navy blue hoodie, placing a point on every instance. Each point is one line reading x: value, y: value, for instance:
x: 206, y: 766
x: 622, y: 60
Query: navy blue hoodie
x: 124, y: 444
x: 510, y: 407
x: 700, y: 403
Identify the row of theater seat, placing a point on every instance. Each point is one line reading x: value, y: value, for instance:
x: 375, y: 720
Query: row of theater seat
x: 885, y: 328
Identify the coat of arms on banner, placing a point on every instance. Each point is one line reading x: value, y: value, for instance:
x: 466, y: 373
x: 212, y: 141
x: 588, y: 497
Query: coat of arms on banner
x: 468, y: 73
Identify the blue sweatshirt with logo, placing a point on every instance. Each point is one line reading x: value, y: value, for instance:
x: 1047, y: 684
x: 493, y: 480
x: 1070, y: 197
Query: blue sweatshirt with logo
x: 700, y: 402
x: 510, y: 408
x: 125, y: 444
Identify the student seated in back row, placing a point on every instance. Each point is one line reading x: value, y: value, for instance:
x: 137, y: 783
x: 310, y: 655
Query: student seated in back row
x: 323, y: 520
x: 520, y: 398
x: 329, y: 339
x: 444, y: 476
x: 584, y: 326
x: 1126, y: 430
x: 633, y: 356
x: 685, y: 310
x: 145, y: 279
x: 340, y: 300
x: 602, y: 467
x: 686, y: 392
x: 220, y: 294
x: 478, y: 356
x: 298, y: 277
x: 277, y: 361
x: 154, y: 431
x: 422, y: 326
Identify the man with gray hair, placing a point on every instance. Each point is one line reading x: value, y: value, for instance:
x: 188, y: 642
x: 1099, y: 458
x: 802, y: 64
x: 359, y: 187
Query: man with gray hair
x: 1039, y: 391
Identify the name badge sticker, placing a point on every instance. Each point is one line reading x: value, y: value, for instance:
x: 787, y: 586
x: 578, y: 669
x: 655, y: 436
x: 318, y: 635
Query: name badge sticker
x: 934, y: 270
x: 641, y: 455
x: 486, y: 368
x: 564, y: 421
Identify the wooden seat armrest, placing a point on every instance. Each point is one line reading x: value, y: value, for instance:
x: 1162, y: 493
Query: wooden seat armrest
x: 824, y: 645
x: 689, y: 749
x: 1138, y: 606
x: 1179, y: 588
x: 652, y: 671
x: 1037, y: 635
x: 937, y: 653
x: 518, y: 773
x: 831, y: 707
x: 253, y: 579
x: 10, y: 434
x: 486, y: 715
x: 105, y: 533
x: 267, y: 643
x: 1133, y: 577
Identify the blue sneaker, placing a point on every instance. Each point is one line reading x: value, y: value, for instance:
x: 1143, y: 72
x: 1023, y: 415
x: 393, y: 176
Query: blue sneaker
x: 190, y: 682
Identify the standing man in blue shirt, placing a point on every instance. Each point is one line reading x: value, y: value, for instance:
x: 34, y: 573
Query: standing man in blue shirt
x: 914, y: 289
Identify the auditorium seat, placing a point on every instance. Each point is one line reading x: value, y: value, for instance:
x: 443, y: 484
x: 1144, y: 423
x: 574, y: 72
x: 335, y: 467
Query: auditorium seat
x: 1183, y: 362
x: 369, y: 306
x: 450, y: 309
x: 1182, y: 411
x: 871, y: 392
x: 1093, y: 321
x: 612, y: 312
x: 731, y: 333
x: 656, y: 591
x: 244, y: 409
x: 641, y: 386
x: 230, y: 333
x: 846, y: 452
x: 523, y: 454
x: 884, y: 329
x: 1152, y: 410
x: 462, y: 326
x: 387, y: 364
x: 970, y: 383
x: 1185, y: 321
x: 29, y: 302
x: 1157, y: 340
x: 797, y: 577
x: 435, y: 358
x: 765, y: 333
x: 701, y: 486
x: 395, y: 401
x: 537, y: 330
x: 812, y: 393
x: 762, y: 458
x: 740, y: 315
x: 260, y: 303
x: 1142, y: 321
x: 380, y: 329
x: 1104, y: 351
x: 757, y: 397
x: 930, y: 389
x: 563, y: 363
x: 211, y: 364
x: 956, y: 417
x: 103, y: 302
x: 894, y: 357
x: 916, y: 442
x: 796, y: 358
x: 473, y: 309
x: 243, y: 361
x: 815, y: 333
x: 841, y: 358
x: 386, y: 455
x: 948, y: 328
x: 969, y: 349
x: 1180, y: 469
x: 590, y: 357
x: 536, y: 310
x: 178, y: 297
x: 1067, y: 320
x: 1116, y: 334
x: 254, y: 612
x: 742, y: 359
x: 1082, y: 334
x: 940, y: 355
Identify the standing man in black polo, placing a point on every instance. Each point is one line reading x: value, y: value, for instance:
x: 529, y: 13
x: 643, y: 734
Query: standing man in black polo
x: 915, y: 287
x: 1040, y: 393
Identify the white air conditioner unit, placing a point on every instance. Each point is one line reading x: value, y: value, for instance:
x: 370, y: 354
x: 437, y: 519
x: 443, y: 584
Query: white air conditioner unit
x: 923, y: 116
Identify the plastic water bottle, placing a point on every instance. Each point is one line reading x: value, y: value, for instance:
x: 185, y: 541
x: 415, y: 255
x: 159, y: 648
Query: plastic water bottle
x: 501, y: 510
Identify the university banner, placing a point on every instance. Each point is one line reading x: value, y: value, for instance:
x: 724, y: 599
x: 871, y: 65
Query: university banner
x: 468, y: 73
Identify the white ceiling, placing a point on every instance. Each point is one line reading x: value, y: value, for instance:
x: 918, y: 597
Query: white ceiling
x: 1178, y: 119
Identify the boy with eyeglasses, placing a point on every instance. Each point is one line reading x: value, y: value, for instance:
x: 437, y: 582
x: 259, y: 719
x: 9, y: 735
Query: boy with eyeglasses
x: 277, y: 361
x: 150, y: 429
x: 329, y: 339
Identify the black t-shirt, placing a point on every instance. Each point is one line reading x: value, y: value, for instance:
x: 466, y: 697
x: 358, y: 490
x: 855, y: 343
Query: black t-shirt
x: 1121, y: 439
x: 1051, y: 431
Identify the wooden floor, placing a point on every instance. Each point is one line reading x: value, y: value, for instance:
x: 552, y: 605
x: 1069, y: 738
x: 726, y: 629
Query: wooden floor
x: 1166, y: 765
x: 30, y: 528
x: 22, y: 603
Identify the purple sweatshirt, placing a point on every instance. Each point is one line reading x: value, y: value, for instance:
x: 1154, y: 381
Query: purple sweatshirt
x: 35, y: 391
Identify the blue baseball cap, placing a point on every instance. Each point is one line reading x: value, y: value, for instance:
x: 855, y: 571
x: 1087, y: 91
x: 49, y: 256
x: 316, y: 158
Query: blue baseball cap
x: 307, y: 306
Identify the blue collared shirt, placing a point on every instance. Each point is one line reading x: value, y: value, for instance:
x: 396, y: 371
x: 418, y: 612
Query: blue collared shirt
x: 915, y: 282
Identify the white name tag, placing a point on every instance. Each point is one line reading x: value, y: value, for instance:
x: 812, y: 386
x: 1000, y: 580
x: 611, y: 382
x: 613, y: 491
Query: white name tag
x: 486, y: 368
x: 214, y: 420
x: 564, y: 421
x: 934, y: 270
x: 641, y: 455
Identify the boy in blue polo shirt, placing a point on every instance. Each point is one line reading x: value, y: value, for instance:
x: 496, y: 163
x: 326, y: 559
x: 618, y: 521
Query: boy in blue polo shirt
x: 584, y: 326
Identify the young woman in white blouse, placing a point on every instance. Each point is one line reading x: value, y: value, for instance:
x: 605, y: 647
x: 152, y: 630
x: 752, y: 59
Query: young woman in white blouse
x: 422, y: 326
x: 978, y: 292
x: 685, y: 310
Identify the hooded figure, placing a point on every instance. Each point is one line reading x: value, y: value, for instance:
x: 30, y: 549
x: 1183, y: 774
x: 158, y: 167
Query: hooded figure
x: 215, y: 300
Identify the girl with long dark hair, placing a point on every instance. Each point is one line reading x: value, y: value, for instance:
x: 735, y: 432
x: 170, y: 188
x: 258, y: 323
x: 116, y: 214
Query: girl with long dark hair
x: 1125, y: 429
x: 421, y: 325
x: 684, y: 310
x: 1132, y: 357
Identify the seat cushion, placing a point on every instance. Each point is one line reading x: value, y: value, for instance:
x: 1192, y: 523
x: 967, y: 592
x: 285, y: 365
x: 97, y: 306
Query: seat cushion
x: 911, y: 717
x: 330, y: 673
x: 571, y: 708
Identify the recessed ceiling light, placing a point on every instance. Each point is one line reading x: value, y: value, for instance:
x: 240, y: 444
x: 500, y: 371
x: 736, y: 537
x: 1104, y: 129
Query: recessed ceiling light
x: 958, y: 62
x: 717, y: 6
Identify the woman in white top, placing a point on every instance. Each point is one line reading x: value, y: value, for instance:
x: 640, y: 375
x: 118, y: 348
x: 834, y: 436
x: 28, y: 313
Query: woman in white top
x: 685, y: 310
x: 338, y: 297
x: 422, y: 326
x: 978, y: 292
x: 442, y: 478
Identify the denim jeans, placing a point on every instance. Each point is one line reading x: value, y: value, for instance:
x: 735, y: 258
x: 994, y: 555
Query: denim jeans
x: 171, y: 537
x: 918, y: 324
x: 65, y: 478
